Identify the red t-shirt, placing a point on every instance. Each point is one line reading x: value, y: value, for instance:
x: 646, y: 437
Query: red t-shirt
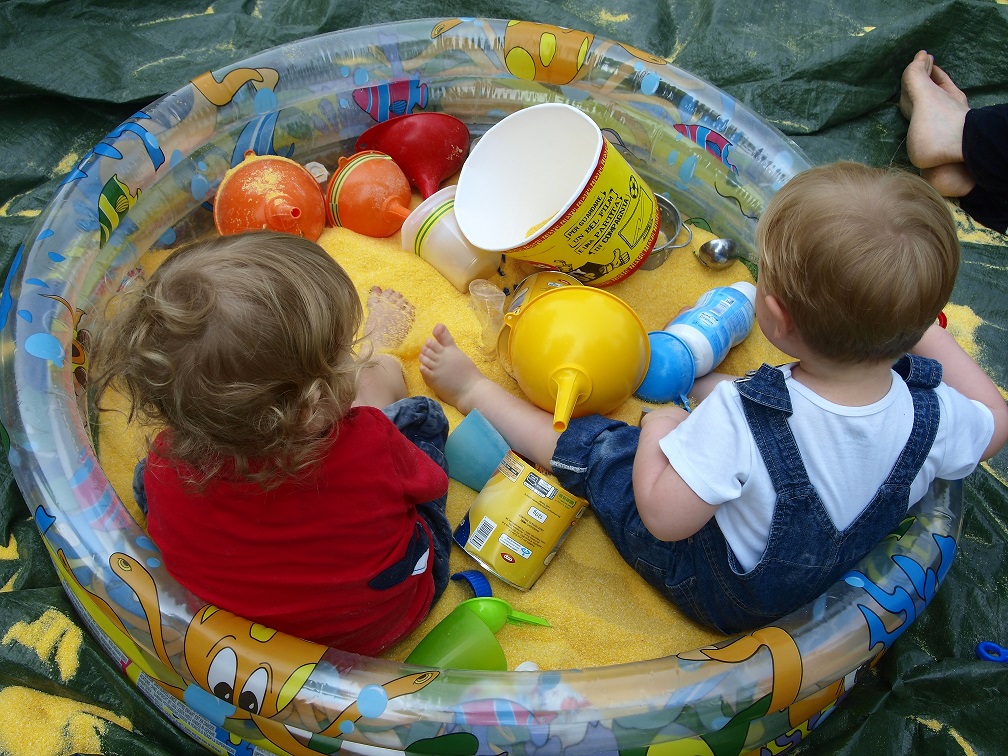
x: 341, y: 558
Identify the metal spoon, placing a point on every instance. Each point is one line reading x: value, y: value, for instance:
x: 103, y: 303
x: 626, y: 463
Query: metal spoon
x: 718, y: 253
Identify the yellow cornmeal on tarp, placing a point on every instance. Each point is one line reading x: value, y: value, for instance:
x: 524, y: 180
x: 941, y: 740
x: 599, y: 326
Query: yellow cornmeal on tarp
x: 600, y: 610
x: 33, y: 723
x: 53, y: 637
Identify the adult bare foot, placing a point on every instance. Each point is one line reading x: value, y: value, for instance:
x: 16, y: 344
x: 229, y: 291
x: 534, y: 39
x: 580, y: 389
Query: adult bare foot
x: 448, y: 370
x: 936, y: 109
x: 951, y: 179
x: 389, y: 318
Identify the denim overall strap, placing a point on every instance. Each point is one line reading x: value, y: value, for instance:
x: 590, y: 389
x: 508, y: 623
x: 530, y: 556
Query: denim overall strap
x: 767, y: 389
x: 922, y: 375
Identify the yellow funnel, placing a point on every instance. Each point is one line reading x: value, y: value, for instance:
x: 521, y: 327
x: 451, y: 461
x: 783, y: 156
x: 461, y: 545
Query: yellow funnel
x: 569, y: 386
x: 576, y: 350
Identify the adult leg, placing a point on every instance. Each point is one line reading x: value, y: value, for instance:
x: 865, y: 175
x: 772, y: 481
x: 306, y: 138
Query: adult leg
x: 985, y: 153
x: 936, y: 108
x: 962, y: 152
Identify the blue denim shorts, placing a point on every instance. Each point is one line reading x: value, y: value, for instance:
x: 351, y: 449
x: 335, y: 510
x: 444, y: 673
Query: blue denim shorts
x: 594, y: 460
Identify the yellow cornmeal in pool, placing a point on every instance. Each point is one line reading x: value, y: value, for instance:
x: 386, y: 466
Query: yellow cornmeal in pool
x: 600, y: 610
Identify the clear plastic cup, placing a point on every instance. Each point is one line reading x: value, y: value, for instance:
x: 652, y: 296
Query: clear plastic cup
x: 487, y: 301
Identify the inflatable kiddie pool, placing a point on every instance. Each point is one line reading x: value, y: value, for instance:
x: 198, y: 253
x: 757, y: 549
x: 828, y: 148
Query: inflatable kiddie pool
x: 238, y: 687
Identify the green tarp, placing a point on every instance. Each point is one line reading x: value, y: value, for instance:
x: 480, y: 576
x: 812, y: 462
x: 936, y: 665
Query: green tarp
x: 826, y: 73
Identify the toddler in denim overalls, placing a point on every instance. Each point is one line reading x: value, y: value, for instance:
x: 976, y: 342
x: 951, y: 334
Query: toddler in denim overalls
x: 779, y: 482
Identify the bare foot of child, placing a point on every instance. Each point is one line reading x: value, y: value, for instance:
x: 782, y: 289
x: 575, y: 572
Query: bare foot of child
x: 389, y: 318
x: 448, y: 370
x: 936, y: 109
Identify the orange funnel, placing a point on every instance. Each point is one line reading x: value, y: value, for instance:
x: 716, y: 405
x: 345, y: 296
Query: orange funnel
x: 269, y: 191
x: 429, y: 147
x: 369, y: 194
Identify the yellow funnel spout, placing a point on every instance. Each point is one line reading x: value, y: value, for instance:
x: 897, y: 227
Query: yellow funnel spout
x: 572, y: 387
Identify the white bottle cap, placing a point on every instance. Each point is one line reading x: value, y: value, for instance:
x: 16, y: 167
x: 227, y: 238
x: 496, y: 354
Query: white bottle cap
x: 747, y: 289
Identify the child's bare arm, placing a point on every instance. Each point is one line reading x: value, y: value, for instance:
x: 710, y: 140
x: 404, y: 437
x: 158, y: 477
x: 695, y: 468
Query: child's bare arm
x: 668, y: 507
x: 963, y: 374
x: 705, y: 384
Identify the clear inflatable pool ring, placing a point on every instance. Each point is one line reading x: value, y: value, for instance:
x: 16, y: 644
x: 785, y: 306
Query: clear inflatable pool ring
x: 240, y: 688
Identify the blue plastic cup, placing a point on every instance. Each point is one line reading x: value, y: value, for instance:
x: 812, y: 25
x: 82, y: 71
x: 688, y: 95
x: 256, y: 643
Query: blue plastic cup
x: 473, y: 450
x: 670, y: 372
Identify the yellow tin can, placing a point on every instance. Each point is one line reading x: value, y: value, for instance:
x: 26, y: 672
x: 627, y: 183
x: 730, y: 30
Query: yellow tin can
x: 517, y: 522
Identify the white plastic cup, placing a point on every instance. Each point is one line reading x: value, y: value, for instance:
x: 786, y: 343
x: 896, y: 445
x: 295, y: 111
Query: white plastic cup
x: 432, y: 233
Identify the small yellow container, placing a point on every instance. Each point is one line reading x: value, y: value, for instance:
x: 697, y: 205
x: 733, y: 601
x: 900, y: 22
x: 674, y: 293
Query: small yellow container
x: 517, y: 522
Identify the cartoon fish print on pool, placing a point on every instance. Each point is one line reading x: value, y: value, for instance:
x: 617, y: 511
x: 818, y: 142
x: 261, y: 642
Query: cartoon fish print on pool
x: 107, y: 148
x: 398, y: 97
x: 710, y: 140
x: 220, y: 93
x: 257, y: 136
x: 395, y: 98
x: 80, y: 344
x: 254, y: 672
x: 114, y: 202
x: 899, y: 604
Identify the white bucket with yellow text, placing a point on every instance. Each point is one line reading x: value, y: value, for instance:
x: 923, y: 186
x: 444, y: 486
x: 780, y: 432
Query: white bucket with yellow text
x: 544, y: 185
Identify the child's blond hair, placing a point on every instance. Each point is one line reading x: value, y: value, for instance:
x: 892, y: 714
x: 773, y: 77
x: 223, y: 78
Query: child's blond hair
x: 243, y: 347
x: 864, y: 259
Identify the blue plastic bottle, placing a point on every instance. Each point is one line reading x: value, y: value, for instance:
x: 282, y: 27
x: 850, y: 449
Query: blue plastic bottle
x: 696, y: 341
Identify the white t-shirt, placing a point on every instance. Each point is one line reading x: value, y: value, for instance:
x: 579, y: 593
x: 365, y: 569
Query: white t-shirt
x: 848, y: 452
